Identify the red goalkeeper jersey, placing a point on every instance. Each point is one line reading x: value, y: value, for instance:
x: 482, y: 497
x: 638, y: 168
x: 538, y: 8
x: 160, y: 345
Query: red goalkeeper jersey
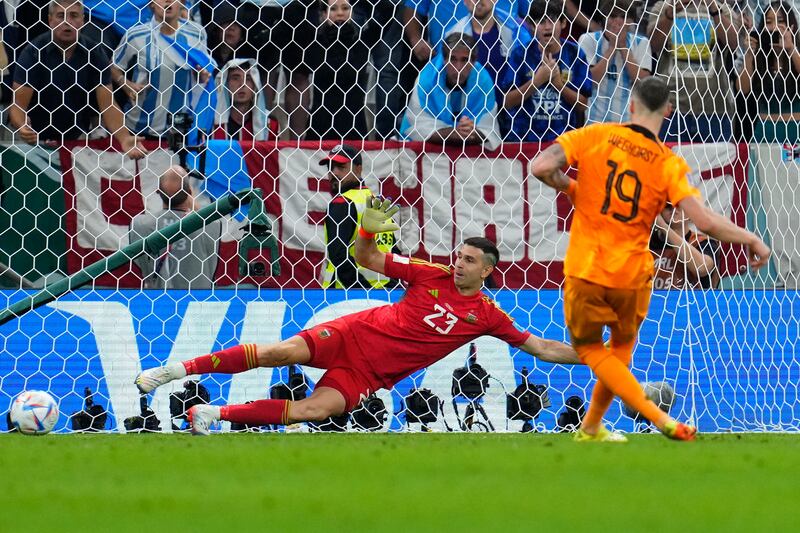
x: 431, y: 321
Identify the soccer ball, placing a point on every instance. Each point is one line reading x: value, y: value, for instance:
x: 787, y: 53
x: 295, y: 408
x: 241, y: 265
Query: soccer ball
x: 660, y: 393
x: 34, y: 412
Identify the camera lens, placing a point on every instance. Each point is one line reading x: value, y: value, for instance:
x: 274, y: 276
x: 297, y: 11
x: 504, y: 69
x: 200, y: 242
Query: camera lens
x: 258, y: 268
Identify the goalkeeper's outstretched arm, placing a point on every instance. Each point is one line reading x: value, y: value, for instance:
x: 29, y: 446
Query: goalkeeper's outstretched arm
x: 550, y: 351
x: 377, y: 218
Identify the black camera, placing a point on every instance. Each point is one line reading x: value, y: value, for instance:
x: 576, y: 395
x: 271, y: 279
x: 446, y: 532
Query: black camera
x: 527, y: 400
x: 295, y: 389
x: 569, y: 420
x: 181, y: 126
x: 193, y: 393
x: 92, y: 418
x: 145, y: 422
x: 332, y: 423
x: 370, y: 415
x: 422, y: 406
x: 259, y: 238
x: 471, y: 380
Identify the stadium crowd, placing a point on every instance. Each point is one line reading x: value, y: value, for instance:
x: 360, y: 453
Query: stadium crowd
x: 458, y: 72
x: 375, y: 69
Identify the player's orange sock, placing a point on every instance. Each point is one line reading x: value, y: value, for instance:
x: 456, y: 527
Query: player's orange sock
x: 614, y: 374
x: 257, y: 413
x: 601, y: 395
x: 228, y: 361
x: 601, y: 399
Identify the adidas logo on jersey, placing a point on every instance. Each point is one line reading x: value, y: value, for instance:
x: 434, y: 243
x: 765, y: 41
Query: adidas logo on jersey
x: 434, y: 292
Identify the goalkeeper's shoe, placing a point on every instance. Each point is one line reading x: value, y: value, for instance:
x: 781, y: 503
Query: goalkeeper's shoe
x: 155, y: 377
x: 602, y: 435
x: 201, y: 417
x: 679, y: 431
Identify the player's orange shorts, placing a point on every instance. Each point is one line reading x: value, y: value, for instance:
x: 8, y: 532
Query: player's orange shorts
x: 333, y: 348
x: 588, y: 307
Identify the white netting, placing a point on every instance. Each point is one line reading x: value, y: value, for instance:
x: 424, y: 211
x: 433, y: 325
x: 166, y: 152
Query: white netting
x: 257, y: 93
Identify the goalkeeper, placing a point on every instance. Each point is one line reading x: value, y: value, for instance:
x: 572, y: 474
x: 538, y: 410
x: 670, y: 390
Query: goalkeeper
x: 443, y: 309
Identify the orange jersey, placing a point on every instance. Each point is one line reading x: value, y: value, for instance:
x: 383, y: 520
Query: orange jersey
x: 625, y: 177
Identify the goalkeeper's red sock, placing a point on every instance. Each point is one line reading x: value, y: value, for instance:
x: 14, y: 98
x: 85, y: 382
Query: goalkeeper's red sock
x: 257, y: 413
x: 229, y: 361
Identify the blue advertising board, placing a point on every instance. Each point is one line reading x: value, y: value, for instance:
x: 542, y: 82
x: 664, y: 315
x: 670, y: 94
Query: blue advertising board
x: 732, y: 356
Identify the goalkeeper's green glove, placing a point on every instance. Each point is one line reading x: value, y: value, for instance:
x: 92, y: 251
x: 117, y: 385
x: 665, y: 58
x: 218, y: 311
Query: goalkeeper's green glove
x: 377, y: 217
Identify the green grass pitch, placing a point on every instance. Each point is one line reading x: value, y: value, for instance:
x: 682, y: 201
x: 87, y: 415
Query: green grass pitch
x: 397, y: 482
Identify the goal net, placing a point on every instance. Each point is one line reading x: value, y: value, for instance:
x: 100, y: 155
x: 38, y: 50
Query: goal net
x: 445, y: 102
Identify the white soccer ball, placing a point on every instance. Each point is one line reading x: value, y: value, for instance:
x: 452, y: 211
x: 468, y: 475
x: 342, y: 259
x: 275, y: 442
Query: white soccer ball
x: 34, y: 412
x: 660, y: 393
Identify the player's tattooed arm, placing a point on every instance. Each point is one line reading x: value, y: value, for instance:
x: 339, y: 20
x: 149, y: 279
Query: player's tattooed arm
x: 550, y: 351
x: 547, y: 165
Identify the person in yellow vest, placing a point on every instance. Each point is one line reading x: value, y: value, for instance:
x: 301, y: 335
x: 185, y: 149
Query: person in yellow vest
x: 350, y: 197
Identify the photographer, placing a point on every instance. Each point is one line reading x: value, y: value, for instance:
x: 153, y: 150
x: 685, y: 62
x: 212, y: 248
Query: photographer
x: 769, y: 76
x: 682, y: 257
x: 188, y: 263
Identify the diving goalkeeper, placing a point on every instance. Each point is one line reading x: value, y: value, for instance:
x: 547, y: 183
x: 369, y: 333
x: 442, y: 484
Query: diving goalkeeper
x: 443, y: 309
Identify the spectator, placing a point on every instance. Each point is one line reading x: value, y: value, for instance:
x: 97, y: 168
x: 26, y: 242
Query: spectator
x: 188, y: 263
x: 692, y: 42
x: 548, y: 85
x: 453, y: 100
x: 350, y: 197
x: 61, y: 81
x: 230, y: 39
x: 283, y: 31
x: 339, y: 59
x: 391, y: 58
x: 582, y: 17
x: 617, y: 57
x: 683, y: 259
x: 242, y: 113
x: 156, y: 78
x: 426, y: 21
x: 495, y: 39
x: 770, y: 75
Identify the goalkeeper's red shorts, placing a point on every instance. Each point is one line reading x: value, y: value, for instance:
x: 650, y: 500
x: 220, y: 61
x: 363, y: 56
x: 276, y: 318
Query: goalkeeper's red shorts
x: 333, y: 348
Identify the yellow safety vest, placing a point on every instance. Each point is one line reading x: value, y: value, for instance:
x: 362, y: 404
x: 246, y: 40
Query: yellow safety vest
x: 385, y: 242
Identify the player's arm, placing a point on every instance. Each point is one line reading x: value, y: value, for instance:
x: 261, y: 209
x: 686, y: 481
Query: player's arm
x: 721, y: 228
x: 546, y: 167
x: 698, y: 261
x: 377, y: 218
x: 550, y: 351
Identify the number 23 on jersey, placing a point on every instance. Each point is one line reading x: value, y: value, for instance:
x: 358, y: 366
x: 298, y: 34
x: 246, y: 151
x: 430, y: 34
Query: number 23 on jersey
x: 441, y: 319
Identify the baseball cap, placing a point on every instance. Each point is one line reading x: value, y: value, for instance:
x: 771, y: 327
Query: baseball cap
x: 342, y: 153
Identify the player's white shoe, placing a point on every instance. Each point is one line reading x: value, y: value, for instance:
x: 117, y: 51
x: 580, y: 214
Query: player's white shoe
x: 155, y: 377
x: 201, y: 417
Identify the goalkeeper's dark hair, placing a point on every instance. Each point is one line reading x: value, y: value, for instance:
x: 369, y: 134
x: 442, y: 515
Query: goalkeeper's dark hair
x: 490, y: 251
x: 652, y: 92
